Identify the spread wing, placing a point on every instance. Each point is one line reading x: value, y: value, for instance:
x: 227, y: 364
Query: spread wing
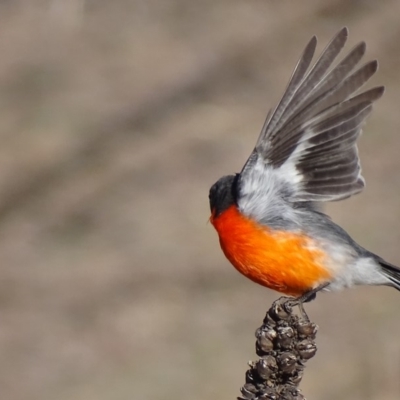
x: 307, y: 147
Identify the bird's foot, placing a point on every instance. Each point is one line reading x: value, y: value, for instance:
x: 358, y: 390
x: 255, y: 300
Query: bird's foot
x: 286, y: 304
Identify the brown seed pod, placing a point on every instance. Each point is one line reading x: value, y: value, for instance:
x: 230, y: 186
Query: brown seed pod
x: 306, y: 329
x: 250, y: 378
x: 306, y: 349
x: 287, y: 362
x: 266, y: 367
x: 270, y: 334
x: 285, y: 337
x: 248, y: 391
x: 263, y: 345
x: 270, y: 394
x: 290, y: 393
x: 265, y: 340
x: 296, y: 377
x: 278, y: 311
x: 269, y: 321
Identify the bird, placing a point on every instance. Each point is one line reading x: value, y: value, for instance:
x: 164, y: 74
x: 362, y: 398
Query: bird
x: 268, y: 217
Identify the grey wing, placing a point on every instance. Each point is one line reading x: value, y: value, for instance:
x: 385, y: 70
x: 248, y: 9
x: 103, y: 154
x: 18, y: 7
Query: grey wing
x: 307, y: 147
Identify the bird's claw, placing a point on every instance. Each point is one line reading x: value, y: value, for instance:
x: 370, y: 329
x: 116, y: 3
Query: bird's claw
x: 283, y: 307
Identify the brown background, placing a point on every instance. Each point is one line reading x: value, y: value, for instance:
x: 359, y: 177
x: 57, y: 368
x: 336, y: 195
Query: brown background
x: 116, y: 117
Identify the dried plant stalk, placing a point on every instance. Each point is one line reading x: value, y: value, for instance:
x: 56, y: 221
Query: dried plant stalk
x: 284, y: 343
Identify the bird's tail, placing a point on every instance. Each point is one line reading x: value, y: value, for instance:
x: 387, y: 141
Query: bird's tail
x: 391, y: 272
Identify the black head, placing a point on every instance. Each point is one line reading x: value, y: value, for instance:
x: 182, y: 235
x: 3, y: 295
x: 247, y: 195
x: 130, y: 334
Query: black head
x: 223, y: 194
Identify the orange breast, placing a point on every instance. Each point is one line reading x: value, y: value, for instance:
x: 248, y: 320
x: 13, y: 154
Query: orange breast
x: 281, y: 260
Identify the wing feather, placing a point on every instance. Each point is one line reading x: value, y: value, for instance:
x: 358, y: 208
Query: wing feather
x: 296, y: 78
x: 307, y: 148
x: 325, y: 131
x: 316, y: 73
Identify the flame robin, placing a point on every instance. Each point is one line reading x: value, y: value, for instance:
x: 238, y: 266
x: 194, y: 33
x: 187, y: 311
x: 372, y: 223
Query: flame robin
x: 267, y: 216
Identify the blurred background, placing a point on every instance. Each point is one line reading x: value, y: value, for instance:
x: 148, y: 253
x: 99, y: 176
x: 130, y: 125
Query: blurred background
x: 116, y: 117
